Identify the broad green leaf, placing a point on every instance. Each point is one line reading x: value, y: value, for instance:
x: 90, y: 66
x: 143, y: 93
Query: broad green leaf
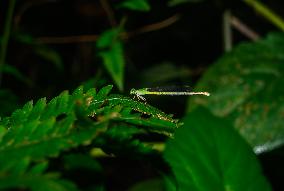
x: 172, y: 3
x: 207, y: 153
x: 111, y: 52
x: 246, y: 87
x: 136, y: 5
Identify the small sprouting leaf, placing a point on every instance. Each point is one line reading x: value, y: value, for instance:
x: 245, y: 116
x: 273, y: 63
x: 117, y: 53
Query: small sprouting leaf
x: 207, y: 153
x: 136, y: 5
x: 112, y: 54
x: 246, y: 86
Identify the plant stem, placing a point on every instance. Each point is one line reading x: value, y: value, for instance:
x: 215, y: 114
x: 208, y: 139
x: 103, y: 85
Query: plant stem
x: 106, y: 6
x: 266, y: 13
x: 244, y: 29
x: 6, y: 35
x: 227, y: 31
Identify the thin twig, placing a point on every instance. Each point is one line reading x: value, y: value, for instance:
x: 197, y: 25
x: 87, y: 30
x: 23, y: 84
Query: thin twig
x: 93, y: 38
x: 264, y: 11
x: 244, y: 29
x: 67, y: 39
x: 25, y: 7
x: 227, y: 31
x: 6, y: 36
x: 110, y: 14
x: 155, y: 26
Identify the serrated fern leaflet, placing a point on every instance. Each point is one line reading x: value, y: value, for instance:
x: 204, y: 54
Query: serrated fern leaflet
x: 44, y: 129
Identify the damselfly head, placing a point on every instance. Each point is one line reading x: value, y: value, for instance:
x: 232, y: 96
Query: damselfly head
x: 132, y: 91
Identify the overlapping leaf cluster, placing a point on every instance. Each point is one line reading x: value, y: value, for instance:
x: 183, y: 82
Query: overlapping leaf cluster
x: 37, y: 132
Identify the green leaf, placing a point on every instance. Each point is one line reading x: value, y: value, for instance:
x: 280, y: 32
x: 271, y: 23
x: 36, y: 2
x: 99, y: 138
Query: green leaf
x: 208, y: 154
x: 112, y: 54
x: 172, y: 3
x: 108, y: 37
x: 136, y: 5
x: 246, y: 87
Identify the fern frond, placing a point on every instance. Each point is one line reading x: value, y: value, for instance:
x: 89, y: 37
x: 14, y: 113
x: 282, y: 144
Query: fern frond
x: 42, y: 130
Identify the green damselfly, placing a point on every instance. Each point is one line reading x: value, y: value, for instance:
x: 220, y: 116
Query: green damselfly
x: 170, y: 90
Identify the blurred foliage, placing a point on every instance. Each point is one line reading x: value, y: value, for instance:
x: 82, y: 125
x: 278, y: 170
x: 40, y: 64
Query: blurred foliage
x: 246, y: 87
x: 178, y: 2
x: 136, y: 5
x: 208, y: 154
